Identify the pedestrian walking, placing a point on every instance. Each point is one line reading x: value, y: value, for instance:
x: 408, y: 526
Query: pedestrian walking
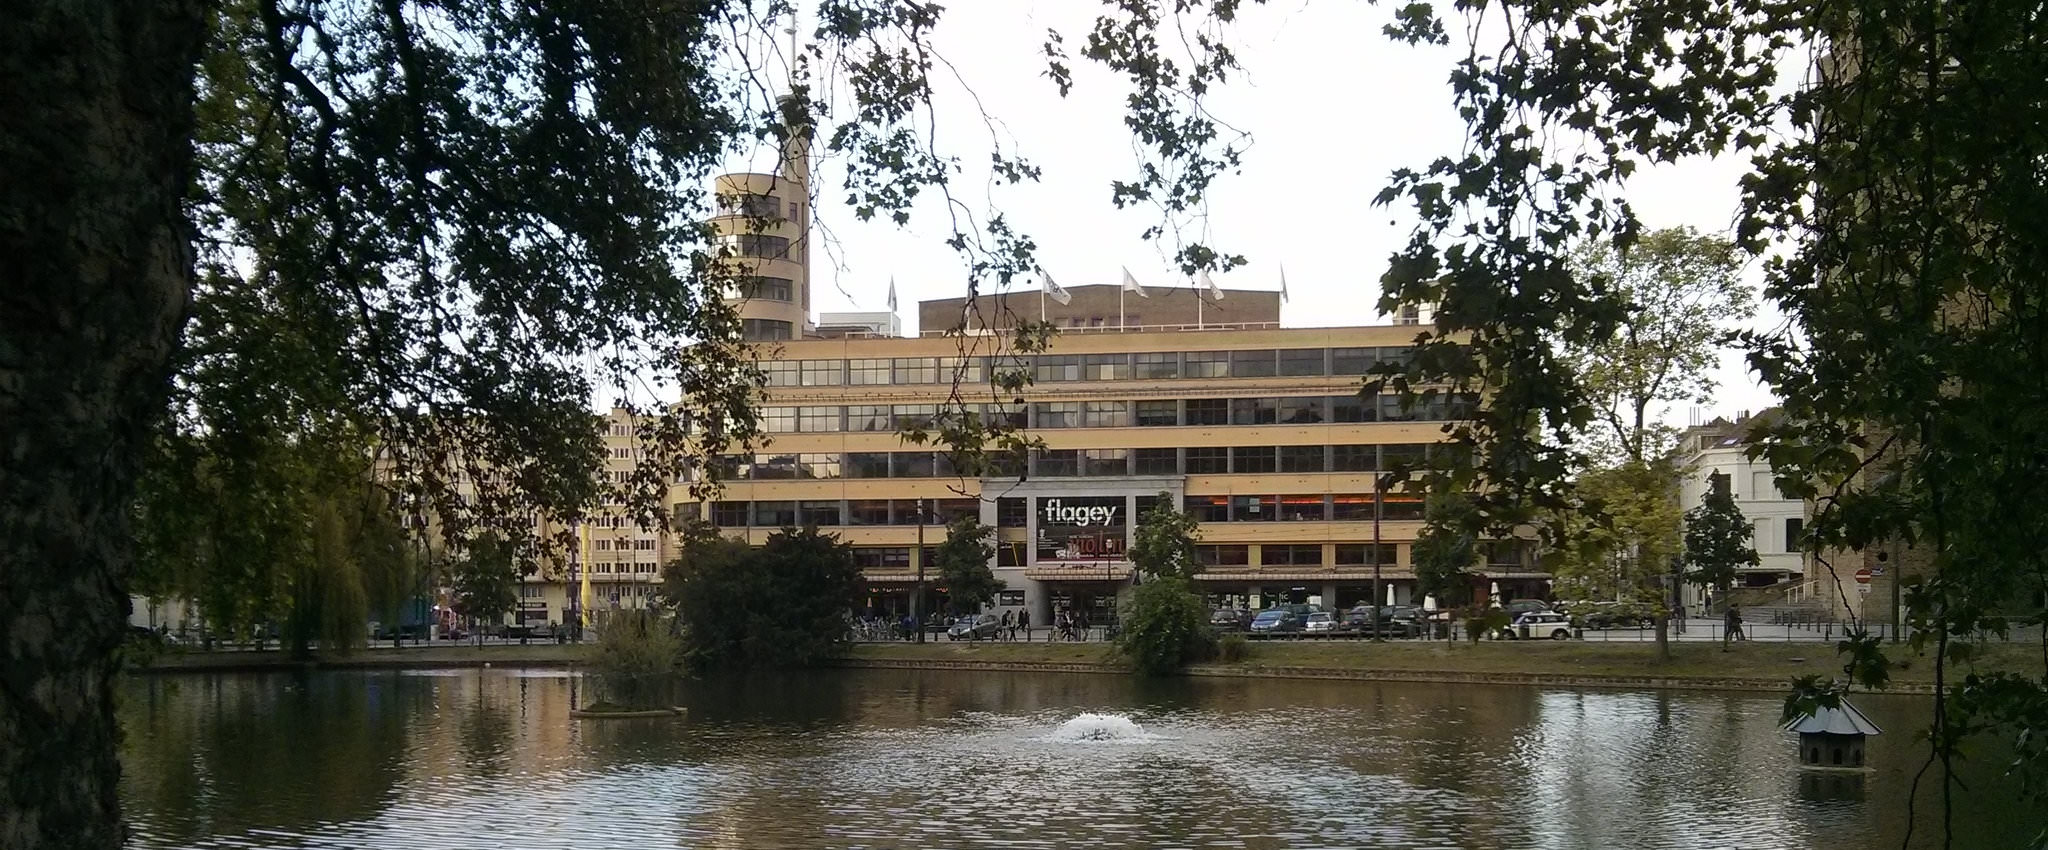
x: 1008, y: 628
x: 1733, y: 623
x: 1024, y: 622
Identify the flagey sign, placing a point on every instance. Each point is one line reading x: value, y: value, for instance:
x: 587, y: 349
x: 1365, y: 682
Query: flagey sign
x: 1062, y: 512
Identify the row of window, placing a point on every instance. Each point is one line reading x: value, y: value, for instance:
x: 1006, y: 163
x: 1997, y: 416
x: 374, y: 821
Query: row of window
x: 1060, y: 368
x: 833, y: 512
x: 754, y: 330
x: 767, y: 288
x: 758, y: 246
x: 604, y: 545
x: 1291, y: 410
x: 757, y: 205
x: 1083, y: 463
x: 1347, y: 507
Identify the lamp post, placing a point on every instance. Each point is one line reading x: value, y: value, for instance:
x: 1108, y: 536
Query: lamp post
x: 917, y: 596
x: 1379, y: 496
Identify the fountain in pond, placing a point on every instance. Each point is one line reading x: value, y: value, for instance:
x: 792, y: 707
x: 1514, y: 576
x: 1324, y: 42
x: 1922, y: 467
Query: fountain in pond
x: 1089, y: 726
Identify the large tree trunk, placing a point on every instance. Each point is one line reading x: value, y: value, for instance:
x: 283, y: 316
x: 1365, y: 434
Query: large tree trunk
x: 95, y: 269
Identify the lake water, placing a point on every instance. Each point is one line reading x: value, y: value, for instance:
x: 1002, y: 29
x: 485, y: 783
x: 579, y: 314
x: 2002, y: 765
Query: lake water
x: 950, y: 759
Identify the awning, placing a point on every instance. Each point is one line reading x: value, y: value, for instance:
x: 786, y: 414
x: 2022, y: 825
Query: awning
x: 1310, y: 575
x: 1087, y: 573
x: 889, y: 578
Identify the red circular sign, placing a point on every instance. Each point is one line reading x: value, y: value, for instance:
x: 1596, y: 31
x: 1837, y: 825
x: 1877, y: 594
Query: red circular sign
x: 1863, y: 576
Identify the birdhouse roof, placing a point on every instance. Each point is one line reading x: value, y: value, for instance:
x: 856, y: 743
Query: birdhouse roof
x: 1845, y: 720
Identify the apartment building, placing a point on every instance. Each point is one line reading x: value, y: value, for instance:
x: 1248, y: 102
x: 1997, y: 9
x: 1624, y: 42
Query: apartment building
x: 1720, y: 450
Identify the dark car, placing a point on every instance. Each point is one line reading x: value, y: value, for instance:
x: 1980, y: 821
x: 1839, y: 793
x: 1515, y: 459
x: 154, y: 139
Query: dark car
x: 1230, y: 620
x: 974, y: 627
x: 1397, y: 621
x: 1275, y: 621
x: 1518, y: 607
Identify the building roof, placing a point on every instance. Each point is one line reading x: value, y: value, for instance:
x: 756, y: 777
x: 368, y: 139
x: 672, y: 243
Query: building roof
x: 1845, y: 720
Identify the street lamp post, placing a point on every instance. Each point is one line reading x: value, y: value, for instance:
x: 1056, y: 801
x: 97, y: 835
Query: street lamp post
x: 917, y: 596
x: 1379, y: 495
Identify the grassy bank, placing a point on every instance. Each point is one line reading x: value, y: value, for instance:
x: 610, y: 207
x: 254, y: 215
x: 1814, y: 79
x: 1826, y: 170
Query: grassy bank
x: 1762, y: 666
x: 531, y: 655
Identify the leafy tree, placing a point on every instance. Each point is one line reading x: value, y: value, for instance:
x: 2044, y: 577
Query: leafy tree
x: 1717, y: 539
x: 1626, y: 531
x: 1163, y: 545
x: 963, y: 559
x: 782, y: 604
x: 637, y: 658
x: 486, y: 581
x: 1445, y: 552
x: 1164, y: 626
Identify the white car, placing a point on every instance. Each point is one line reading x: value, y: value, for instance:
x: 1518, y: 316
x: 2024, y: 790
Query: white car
x: 1541, y: 624
x: 1322, y: 623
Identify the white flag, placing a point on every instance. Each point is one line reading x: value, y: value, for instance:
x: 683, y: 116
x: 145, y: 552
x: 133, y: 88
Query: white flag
x: 892, y: 295
x: 1057, y: 292
x: 1283, y: 283
x: 1131, y: 284
x: 1215, y: 292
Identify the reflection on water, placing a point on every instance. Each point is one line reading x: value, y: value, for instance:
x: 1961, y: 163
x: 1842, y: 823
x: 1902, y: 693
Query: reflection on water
x: 951, y: 759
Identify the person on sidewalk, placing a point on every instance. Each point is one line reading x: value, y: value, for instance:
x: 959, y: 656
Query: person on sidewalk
x: 1024, y: 622
x: 1733, y: 622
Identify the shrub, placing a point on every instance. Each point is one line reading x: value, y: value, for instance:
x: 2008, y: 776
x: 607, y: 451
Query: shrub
x: 637, y: 659
x: 1232, y: 648
x: 1477, y: 624
x: 1165, y: 626
x: 782, y: 604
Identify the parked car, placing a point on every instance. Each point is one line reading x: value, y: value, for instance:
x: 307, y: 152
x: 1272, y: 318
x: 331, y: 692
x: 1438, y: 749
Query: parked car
x: 1617, y: 615
x: 1275, y: 621
x: 1518, y: 607
x: 1321, y: 624
x: 1539, y: 624
x: 975, y: 627
x: 1230, y: 619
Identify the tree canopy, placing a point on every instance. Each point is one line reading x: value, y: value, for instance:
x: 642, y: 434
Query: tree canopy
x: 782, y: 604
x: 1717, y: 540
x: 962, y: 560
x: 1164, y: 543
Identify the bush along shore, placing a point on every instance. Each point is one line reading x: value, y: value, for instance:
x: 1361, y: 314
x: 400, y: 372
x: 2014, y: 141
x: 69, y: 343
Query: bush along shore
x: 1758, y: 667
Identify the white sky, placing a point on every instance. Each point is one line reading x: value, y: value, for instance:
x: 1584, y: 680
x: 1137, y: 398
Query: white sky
x: 1332, y: 107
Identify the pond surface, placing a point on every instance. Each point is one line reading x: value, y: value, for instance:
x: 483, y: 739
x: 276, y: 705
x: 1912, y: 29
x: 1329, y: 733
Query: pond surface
x: 951, y: 759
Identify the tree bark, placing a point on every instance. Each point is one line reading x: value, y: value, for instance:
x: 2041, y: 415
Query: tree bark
x: 96, y: 112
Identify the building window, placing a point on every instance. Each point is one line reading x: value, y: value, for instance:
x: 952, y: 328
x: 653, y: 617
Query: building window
x: 1105, y: 414
x: 730, y: 514
x: 914, y: 465
x: 867, y: 465
x: 1352, y: 361
x: 1099, y: 463
x: 1154, y: 413
x: 1291, y: 555
x: 1404, y: 455
x: 818, y: 513
x: 1208, y: 411
x: 1302, y: 361
x: 1301, y: 458
x: 910, y: 416
x: 1105, y: 367
x: 1254, y: 508
x: 1005, y: 415
x: 766, y: 288
x: 775, y: 467
x: 751, y: 205
x: 1223, y: 555
x: 1794, y: 527
x: 1353, y: 408
x: 1355, y: 554
x: 774, y: 514
x: 1208, y: 508
x: 779, y: 373
x: 823, y: 373
x: 1302, y: 509
x: 1351, y: 506
x: 962, y: 370
x: 1507, y: 554
x: 1394, y: 409
x: 1011, y: 555
x: 909, y: 512
x: 1055, y: 463
x: 1054, y: 369
x: 601, y: 545
x: 1401, y: 506
x: 1158, y: 365
x: 867, y: 512
x: 1301, y: 410
x: 1157, y: 461
x: 1252, y: 364
x: 1207, y: 364
x: 818, y: 466
x: 819, y: 420
x: 1012, y: 513
x: 867, y: 372
x: 778, y: 420
x: 759, y: 245
x: 764, y: 329
x: 1251, y: 459
x: 882, y: 557
x: 870, y: 417
x: 1056, y: 414
x: 945, y: 511
x: 1254, y: 411
x: 917, y: 370
x: 1208, y: 460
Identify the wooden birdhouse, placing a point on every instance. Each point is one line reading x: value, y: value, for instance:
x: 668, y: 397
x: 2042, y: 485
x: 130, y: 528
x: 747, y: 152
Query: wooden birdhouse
x: 1833, y: 738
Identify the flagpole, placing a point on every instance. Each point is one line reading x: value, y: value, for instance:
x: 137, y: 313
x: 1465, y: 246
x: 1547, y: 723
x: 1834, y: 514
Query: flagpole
x: 1198, y: 309
x: 1120, y: 294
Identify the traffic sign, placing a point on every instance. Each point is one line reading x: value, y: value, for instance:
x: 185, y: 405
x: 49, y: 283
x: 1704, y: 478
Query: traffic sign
x: 1863, y: 576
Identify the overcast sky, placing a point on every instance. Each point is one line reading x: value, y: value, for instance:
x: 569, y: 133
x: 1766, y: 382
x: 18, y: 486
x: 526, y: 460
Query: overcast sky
x: 1332, y: 107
